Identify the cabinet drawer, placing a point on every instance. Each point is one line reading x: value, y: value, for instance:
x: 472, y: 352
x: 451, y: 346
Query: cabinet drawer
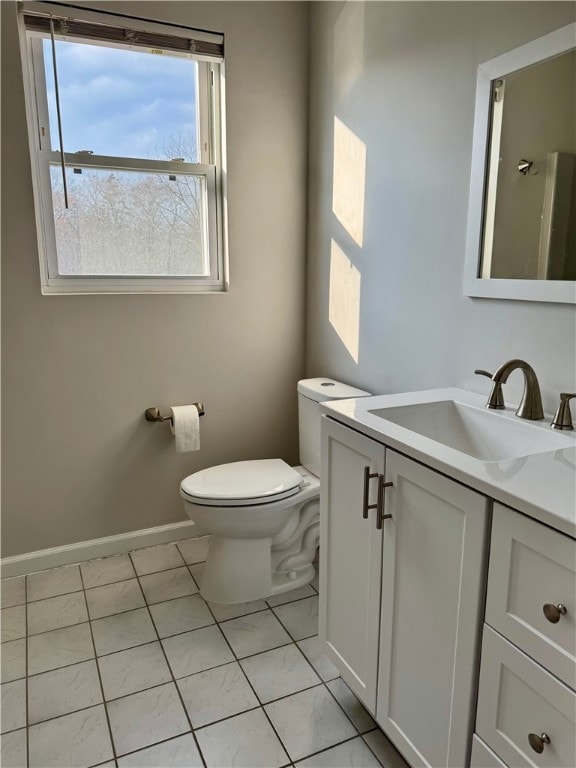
x: 483, y: 757
x: 532, y: 566
x: 517, y: 697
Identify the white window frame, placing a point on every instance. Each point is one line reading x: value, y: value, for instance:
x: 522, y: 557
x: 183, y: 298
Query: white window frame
x: 211, y: 170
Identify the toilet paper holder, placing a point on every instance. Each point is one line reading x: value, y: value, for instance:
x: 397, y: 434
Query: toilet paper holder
x: 153, y: 414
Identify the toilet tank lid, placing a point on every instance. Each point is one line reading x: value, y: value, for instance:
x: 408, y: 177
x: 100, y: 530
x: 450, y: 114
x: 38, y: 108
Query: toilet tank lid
x: 328, y: 389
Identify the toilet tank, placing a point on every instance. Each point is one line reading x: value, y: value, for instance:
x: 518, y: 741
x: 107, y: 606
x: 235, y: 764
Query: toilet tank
x: 310, y: 393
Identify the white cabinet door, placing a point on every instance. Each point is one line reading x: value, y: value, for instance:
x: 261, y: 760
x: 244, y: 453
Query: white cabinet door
x: 433, y: 583
x: 350, y: 557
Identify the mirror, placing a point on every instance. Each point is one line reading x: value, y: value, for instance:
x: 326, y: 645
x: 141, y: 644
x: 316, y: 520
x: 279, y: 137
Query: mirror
x: 530, y: 200
x: 521, y: 241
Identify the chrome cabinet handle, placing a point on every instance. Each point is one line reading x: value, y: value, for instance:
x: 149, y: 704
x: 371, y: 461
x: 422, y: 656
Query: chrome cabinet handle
x: 553, y: 612
x: 537, y: 742
x: 380, y: 516
x: 365, y: 506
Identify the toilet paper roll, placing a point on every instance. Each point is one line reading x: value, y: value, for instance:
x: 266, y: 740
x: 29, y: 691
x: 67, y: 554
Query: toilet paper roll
x: 186, y: 427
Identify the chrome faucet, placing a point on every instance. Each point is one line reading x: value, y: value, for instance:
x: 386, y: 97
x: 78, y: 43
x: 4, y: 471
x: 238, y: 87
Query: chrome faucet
x: 531, y: 404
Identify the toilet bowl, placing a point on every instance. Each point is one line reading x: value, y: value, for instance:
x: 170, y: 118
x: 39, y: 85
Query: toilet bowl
x: 249, y: 531
x: 263, y: 514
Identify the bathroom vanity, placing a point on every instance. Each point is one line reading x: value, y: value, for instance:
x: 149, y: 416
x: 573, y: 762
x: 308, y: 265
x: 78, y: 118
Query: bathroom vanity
x: 448, y: 576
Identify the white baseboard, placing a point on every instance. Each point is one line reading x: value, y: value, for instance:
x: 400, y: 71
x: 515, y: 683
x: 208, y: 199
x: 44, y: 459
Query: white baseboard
x: 89, y: 550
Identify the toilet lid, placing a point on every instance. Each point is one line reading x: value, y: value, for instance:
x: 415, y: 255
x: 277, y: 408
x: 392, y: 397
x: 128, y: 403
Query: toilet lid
x: 244, y: 482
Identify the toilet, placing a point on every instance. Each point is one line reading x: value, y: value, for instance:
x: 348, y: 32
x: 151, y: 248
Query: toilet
x: 264, y: 514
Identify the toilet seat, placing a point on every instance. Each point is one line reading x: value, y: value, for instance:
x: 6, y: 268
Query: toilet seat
x: 242, y: 483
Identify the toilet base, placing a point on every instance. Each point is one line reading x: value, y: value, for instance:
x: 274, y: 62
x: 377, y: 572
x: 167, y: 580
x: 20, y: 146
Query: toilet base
x: 285, y: 582
x: 227, y: 559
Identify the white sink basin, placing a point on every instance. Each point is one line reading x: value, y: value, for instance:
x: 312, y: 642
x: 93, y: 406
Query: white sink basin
x: 485, y: 435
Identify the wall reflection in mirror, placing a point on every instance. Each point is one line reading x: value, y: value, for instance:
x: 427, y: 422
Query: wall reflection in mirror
x: 529, y: 222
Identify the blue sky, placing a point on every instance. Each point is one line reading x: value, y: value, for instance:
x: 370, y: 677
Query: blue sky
x: 120, y: 102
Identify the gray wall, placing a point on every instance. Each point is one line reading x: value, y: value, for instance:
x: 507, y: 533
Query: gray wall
x: 79, y: 461
x: 401, y: 77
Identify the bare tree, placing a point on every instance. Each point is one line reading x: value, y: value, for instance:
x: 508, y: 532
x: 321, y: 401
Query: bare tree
x: 131, y: 222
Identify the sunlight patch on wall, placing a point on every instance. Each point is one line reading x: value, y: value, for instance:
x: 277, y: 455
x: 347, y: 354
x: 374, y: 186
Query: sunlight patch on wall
x: 344, y: 305
x: 349, y: 180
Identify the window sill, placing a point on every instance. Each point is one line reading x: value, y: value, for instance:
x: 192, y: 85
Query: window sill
x: 95, y: 285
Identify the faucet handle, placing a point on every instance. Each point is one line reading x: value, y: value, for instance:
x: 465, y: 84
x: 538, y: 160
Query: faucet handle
x: 563, y: 418
x: 496, y: 398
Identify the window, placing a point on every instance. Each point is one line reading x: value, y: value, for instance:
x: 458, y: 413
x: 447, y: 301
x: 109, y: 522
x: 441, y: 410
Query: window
x: 125, y: 121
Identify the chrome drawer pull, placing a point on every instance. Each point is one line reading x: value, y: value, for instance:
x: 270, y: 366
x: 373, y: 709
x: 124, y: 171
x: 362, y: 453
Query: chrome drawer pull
x: 537, y: 742
x: 553, y: 612
x: 365, y: 506
x: 380, y: 516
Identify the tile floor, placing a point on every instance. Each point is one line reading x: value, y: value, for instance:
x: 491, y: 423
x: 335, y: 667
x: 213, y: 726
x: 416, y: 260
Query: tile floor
x: 120, y: 662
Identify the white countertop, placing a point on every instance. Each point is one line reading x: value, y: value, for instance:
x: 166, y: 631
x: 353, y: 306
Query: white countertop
x: 541, y: 485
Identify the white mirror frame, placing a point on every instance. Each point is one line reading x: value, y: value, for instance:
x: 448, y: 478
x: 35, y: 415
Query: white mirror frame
x: 553, y: 44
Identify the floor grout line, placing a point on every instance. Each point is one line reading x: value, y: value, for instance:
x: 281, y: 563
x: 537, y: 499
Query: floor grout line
x: 285, y: 628
x: 57, y: 629
x: 289, y: 602
x: 155, y: 744
x: 257, y: 697
x: 341, y: 705
x: 73, y: 712
x: 236, y: 660
x: 146, y: 604
x: 64, y: 666
x: 317, y: 685
x: 288, y: 695
x: 172, y: 673
x: 227, y: 717
x: 112, y: 744
x: 173, y: 679
x: 51, y: 597
x: 338, y: 744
